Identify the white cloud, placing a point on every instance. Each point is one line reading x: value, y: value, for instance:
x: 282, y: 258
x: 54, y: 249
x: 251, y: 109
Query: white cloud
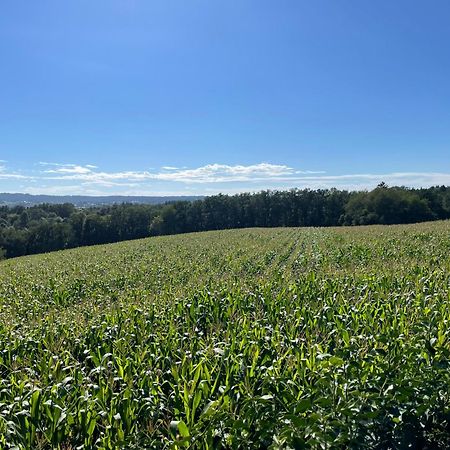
x: 266, y: 174
x: 5, y: 174
x: 63, y: 168
x: 220, y: 173
x: 97, y: 177
x: 203, y: 180
x: 309, y: 172
x: 410, y: 179
x: 71, y: 169
x: 45, y: 163
x: 211, y: 173
x: 13, y: 176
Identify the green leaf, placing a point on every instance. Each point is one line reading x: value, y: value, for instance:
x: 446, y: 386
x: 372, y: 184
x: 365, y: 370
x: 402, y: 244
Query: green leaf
x: 183, y: 429
x: 335, y: 361
x: 303, y: 405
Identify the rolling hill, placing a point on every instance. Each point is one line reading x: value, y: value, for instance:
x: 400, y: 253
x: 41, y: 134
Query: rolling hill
x: 252, y: 338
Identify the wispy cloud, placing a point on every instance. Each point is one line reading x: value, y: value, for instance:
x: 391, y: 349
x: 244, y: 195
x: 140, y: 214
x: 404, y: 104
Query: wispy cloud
x: 208, y: 179
x: 210, y: 173
x: 70, y: 170
x: 59, y: 168
x: 220, y: 173
x: 6, y: 174
x: 239, y: 174
x: 45, y: 163
x: 171, y: 168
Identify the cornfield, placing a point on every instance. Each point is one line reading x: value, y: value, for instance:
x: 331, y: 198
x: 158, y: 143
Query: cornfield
x: 256, y: 338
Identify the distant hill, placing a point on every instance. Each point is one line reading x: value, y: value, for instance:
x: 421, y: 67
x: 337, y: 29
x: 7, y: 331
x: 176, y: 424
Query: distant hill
x: 87, y: 200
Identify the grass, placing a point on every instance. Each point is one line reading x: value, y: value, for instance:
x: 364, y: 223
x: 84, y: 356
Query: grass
x: 254, y: 338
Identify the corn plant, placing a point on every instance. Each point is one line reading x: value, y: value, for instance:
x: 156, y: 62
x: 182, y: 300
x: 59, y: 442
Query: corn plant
x: 254, y: 338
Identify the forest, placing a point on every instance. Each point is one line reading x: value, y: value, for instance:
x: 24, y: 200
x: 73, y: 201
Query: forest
x: 49, y: 227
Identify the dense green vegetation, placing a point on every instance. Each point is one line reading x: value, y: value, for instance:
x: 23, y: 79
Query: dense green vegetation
x: 50, y: 227
x: 261, y: 338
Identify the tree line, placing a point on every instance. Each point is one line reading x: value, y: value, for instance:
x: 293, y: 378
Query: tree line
x: 48, y: 227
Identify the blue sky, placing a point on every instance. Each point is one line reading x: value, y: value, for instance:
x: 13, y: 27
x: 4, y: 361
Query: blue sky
x: 199, y: 97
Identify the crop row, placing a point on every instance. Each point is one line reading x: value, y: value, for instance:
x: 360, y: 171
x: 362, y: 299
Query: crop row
x: 292, y: 338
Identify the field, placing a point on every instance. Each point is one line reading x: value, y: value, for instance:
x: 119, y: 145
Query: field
x: 254, y: 338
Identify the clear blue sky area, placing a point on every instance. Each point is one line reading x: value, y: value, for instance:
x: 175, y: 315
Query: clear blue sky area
x: 198, y: 97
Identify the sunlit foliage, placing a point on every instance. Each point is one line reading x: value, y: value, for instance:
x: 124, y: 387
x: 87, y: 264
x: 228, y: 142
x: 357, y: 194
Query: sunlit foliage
x: 262, y: 338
